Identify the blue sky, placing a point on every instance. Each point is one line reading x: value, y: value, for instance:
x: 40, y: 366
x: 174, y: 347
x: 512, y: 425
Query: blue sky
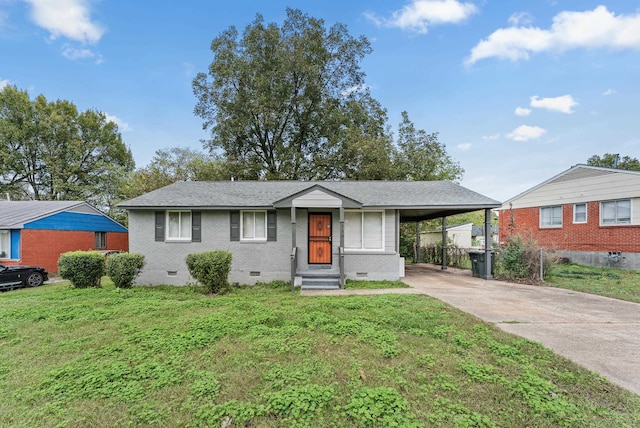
x: 518, y: 90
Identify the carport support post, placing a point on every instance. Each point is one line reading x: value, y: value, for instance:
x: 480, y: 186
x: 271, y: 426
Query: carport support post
x: 487, y: 243
x: 444, y: 243
x: 416, y: 253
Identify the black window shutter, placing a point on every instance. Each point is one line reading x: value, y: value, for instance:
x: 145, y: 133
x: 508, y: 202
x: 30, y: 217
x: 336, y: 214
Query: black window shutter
x: 160, y: 226
x: 235, y: 225
x: 196, y: 228
x: 272, y: 226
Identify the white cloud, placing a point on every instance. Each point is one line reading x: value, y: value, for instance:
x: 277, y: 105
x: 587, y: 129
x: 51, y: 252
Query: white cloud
x: 491, y: 137
x: 418, y: 15
x: 521, y: 111
x: 609, y: 92
x: 597, y: 28
x: 520, y: 18
x: 4, y: 83
x: 66, y: 18
x: 464, y: 147
x: 122, y: 125
x: 525, y: 133
x: 73, y: 53
x: 563, y: 104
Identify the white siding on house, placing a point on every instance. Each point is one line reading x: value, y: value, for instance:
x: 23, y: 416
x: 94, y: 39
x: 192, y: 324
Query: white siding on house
x: 390, y: 231
x: 612, y: 186
x: 317, y: 199
x: 459, y: 235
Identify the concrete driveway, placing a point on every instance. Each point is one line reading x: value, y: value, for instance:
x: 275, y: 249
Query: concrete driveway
x: 599, y: 333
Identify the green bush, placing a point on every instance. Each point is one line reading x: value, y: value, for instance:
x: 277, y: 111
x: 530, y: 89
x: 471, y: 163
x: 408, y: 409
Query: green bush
x: 520, y: 260
x: 123, y: 268
x: 82, y: 268
x: 211, y: 269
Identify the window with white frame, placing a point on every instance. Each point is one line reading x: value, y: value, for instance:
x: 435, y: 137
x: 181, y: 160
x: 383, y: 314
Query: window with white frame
x: 579, y: 213
x: 364, y: 230
x: 551, y: 216
x: 178, y: 225
x: 253, y: 225
x: 5, y: 244
x: 615, y: 212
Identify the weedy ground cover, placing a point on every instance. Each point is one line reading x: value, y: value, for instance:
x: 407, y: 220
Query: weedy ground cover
x: 267, y: 357
x: 610, y: 282
x: 353, y: 284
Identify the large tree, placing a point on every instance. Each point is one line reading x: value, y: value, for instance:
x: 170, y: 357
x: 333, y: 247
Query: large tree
x: 421, y: 156
x: 171, y: 165
x: 277, y: 99
x: 51, y: 151
x: 610, y: 160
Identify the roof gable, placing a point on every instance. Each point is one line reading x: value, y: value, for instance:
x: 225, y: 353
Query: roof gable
x: 580, y: 183
x: 318, y: 195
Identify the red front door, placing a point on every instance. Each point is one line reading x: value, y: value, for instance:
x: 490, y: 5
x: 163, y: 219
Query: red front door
x: 320, y: 238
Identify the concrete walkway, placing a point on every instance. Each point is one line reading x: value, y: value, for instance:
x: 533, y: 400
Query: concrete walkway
x: 599, y: 333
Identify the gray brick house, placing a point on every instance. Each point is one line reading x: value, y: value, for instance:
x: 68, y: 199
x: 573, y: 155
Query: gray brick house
x: 304, y: 232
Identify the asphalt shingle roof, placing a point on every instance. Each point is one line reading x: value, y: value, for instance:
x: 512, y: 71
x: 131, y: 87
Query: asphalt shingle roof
x: 238, y: 194
x: 14, y: 214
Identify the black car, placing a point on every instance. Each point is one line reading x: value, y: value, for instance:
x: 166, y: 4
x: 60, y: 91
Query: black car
x: 21, y: 276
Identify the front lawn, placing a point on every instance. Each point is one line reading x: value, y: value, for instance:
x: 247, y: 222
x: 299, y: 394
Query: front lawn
x: 267, y: 357
x: 354, y: 284
x: 617, y: 283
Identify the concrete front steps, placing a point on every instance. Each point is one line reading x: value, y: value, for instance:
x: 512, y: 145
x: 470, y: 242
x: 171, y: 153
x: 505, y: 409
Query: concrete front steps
x: 320, y: 281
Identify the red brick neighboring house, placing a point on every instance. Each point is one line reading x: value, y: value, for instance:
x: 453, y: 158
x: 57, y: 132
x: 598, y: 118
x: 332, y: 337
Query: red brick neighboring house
x: 37, y: 232
x: 590, y: 215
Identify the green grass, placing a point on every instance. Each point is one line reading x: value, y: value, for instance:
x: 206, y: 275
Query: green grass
x: 266, y: 357
x: 617, y: 283
x: 353, y: 284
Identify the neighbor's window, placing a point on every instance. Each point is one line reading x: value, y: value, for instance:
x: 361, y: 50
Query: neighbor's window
x: 253, y: 225
x: 364, y: 230
x: 5, y: 244
x: 580, y: 213
x: 615, y: 212
x: 101, y: 240
x: 179, y: 225
x: 551, y: 216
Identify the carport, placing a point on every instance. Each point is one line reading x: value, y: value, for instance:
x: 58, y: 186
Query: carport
x: 418, y: 215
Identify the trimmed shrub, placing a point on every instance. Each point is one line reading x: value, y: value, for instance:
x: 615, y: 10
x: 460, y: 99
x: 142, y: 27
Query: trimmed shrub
x: 123, y: 268
x: 211, y: 269
x: 82, y: 268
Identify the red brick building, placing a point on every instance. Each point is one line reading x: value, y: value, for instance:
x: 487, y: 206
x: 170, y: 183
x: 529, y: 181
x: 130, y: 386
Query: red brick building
x: 590, y: 215
x: 37, y: 232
